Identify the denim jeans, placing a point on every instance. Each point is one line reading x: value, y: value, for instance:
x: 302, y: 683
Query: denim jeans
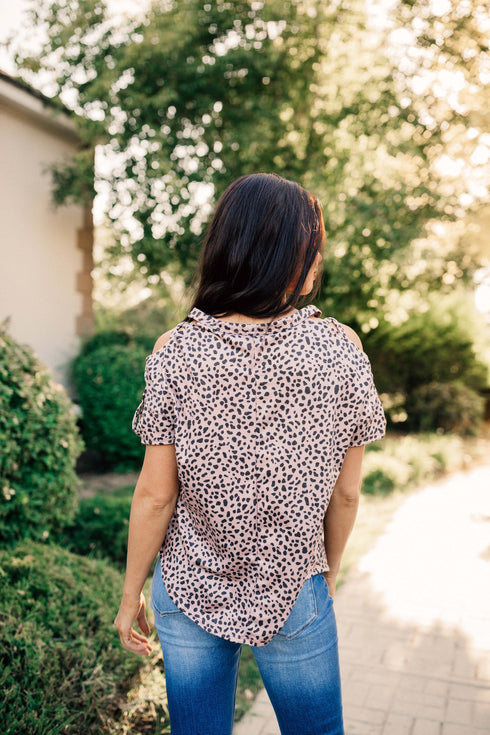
x: 299, y: 667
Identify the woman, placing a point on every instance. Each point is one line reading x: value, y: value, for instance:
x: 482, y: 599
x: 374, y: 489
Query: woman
x: 255, y: 416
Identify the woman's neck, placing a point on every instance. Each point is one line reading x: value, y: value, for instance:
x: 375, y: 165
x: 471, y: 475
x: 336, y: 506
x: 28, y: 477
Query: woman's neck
x: 244, y: 319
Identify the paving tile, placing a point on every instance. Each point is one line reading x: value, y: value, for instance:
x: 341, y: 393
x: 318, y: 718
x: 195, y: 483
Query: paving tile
x: 378, y: 677
x: 412, y: 683
x: 352, y: 727
x: 426, y: 727
x: 474, y: 692
x: 346, y: 671
x: 271, y: 728
x: 410, y: 703
x: 379, y: 697
x: 398, y: 725
x: 396, y: 656
x: 483, y: 668
x: 248, y: 726
x: 364, y: 714
x: 428, y: 713
x: 459, y: 711
x: 450, y: 728
x: 463, y: 667
x: 355, y: 692
x: 425, y: 665
x: 481, y: 715
x: 439, y: 688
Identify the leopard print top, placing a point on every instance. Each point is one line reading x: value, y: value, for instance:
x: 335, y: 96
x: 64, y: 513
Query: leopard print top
x: 261, y: 416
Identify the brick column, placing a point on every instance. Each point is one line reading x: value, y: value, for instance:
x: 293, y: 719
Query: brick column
x: 85, y: 240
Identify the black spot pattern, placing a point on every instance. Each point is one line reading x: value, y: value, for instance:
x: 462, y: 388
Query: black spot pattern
x: 261, y: 416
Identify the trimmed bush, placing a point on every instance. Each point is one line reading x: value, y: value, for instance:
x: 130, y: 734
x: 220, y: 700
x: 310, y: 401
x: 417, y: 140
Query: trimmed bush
x: 401, y: 463
x: 100, y: 528
x: 40, y: 443
x: 109, y: 337
x: 432, y: 348
x: 110, y: 382
x: 427, y: 348
x: 62, y: 668
x: 446, y: 407
x: 382, y: 475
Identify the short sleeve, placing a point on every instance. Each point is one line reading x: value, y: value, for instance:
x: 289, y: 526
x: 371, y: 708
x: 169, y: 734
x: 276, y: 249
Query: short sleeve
x: 154, y: 419
x: 371, y: 421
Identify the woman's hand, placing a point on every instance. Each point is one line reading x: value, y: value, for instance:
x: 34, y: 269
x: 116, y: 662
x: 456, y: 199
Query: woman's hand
x: 132, y: 609
x: 332, y: 583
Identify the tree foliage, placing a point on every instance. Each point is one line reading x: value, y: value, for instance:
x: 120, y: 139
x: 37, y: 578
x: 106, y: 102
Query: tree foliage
x: 194, y: 94
x: 432, y: 346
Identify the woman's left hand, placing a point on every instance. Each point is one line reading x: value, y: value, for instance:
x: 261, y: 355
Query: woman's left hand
x: 130, y: 610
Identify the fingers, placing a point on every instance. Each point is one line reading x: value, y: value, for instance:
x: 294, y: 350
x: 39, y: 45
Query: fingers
x: 130, y: 639
x: 142, y: 621
x: 331, y: 583
x: 135, y: 642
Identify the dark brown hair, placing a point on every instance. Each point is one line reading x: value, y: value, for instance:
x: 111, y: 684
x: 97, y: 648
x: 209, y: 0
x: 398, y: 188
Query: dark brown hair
x: 264, y: 236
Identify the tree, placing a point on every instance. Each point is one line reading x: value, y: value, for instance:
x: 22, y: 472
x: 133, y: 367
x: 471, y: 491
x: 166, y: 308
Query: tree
x: 183, y: 101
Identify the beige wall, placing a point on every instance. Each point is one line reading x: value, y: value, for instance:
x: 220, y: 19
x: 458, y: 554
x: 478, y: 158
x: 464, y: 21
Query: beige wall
x: 45, y: 254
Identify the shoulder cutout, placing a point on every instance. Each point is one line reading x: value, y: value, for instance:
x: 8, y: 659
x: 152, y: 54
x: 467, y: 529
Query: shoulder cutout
x: 352, y: 336
x: 162, y: 340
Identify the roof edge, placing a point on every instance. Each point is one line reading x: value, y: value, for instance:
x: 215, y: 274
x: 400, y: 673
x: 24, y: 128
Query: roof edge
x: 18, y: 94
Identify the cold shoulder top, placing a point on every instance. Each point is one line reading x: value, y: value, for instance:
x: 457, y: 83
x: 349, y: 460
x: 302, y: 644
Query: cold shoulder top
x: 261, y: 416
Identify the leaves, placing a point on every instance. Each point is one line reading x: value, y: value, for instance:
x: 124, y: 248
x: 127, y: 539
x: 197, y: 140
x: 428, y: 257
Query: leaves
x: 182, y: 101
x: 40, y: 444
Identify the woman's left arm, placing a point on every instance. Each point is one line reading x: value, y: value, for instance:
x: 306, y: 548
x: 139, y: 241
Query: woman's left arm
x: 153, y: 503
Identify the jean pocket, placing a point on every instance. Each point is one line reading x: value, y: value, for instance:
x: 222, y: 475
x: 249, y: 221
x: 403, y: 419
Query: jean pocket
x: 321, y: 591
x: 303, y: 613
x: 161, y: 602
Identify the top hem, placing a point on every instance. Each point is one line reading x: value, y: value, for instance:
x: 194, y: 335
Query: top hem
x: 216, y: 630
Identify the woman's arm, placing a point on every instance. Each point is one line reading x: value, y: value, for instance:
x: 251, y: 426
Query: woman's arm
x: 341, y: 512
x: 153, y: 503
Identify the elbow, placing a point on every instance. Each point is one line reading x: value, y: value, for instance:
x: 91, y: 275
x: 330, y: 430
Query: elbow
x: 157, y: 499
x: 349, y: 500
x: 347, y: 496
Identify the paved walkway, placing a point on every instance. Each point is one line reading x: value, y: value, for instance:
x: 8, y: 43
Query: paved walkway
x: 414, y: 621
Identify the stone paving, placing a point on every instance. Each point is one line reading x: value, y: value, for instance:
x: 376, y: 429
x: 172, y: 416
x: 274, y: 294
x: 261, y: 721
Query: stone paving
x: 414, y: 621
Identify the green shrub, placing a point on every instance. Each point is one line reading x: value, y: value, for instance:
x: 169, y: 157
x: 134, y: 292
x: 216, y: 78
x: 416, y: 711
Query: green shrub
x: 427, y: 348
x: 445, y: 406
x: 435, y: 347
x: 110, y: 382
x: 400, y: 463
x: 39, y: 445
x: 100, y: 528
x: 383, y: 474
x: 62, y: 668
x: 108, y: 337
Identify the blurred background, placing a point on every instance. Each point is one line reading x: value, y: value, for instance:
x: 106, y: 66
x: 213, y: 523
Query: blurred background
x: 121, y: 123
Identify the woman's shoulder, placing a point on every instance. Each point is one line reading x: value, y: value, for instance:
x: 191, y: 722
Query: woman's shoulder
x: 347, y: 331
x: 352, y: 335
x: 162, y: 340
x: 166, y: 336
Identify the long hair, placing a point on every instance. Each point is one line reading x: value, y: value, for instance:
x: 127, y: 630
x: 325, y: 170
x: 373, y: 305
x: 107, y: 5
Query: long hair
x: 264, y: 236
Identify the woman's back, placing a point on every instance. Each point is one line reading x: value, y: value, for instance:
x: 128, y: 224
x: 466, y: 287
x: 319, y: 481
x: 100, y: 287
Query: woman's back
x: 261, y: 415
x: 255, y: 416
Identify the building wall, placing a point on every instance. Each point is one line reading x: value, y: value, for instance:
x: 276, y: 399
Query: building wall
x: 45, y: 253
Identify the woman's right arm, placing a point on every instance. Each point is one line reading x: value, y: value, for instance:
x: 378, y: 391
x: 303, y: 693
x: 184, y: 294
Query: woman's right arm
x: 341, y: 512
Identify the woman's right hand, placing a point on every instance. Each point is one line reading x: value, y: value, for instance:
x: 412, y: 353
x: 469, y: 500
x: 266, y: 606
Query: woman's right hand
x: 133, y: 609
x: 332, y: 583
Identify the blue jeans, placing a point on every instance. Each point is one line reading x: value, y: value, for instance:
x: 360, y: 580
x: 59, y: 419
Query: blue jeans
x: 299, y: 667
